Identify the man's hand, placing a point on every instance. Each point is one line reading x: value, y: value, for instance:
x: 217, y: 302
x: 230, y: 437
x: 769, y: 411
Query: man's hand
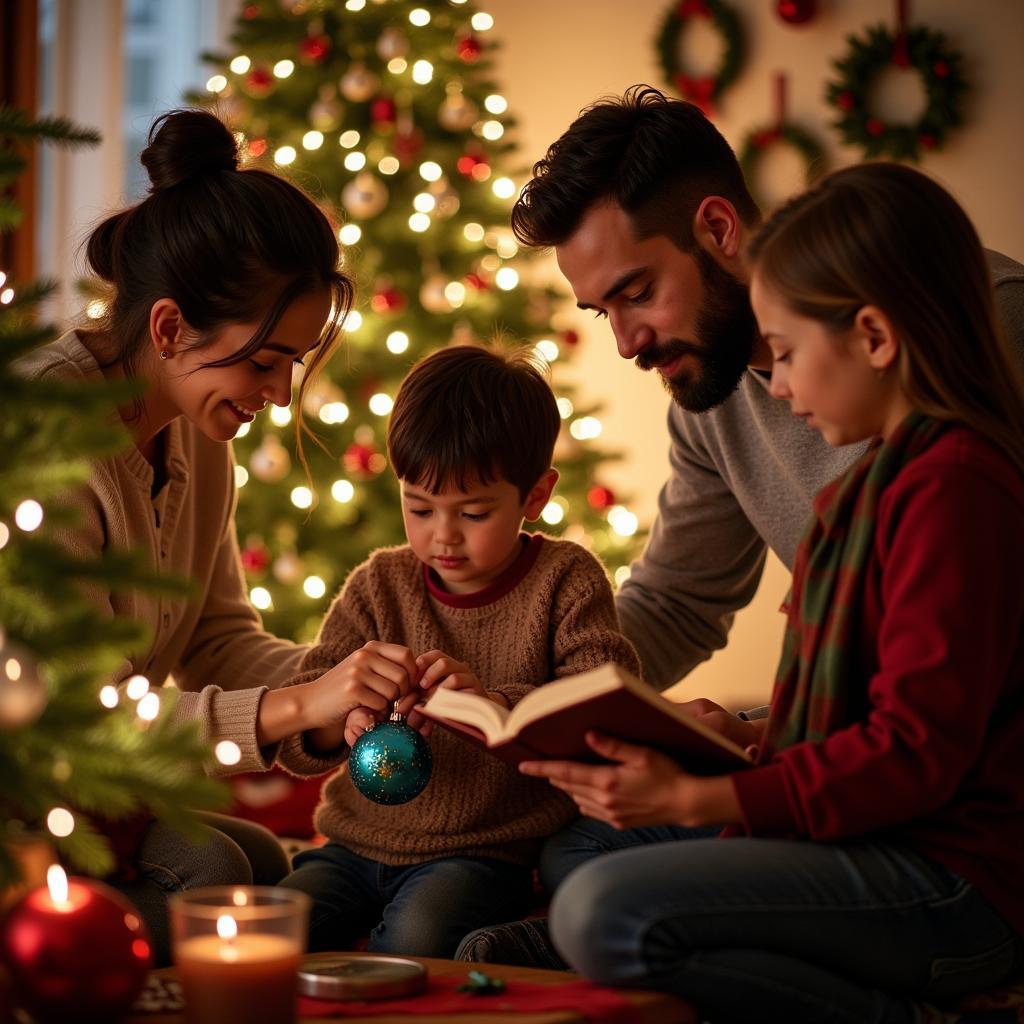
x: 643, y: 787
x: 714, y: 716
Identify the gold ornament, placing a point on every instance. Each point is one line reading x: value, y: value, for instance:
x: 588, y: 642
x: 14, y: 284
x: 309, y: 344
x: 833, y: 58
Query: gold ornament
x: 358, y: 84
x: 270, y: 462
x: 458, y: 114
x: 432, y: 296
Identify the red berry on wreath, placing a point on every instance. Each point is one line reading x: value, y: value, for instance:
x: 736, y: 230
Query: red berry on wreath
x: 928, y: 141
x: 796, y: 12
x: 846, y: 100
x: 941, y: 69
x: 687, y: 7
x: 875, y: 126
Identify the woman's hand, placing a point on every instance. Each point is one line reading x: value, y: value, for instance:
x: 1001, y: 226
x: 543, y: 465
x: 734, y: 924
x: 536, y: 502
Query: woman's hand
x: 360, y: 720
x: 642, y: 787
x: 439, y: 670
x: 369, y: 680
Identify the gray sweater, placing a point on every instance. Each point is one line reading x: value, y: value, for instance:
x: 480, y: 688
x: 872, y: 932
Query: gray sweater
x: 743, y: 478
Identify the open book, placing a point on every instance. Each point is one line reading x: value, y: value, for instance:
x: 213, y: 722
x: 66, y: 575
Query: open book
x: 551, y: 722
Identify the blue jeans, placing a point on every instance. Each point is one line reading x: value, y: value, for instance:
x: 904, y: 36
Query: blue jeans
x: 779, y: 930
x: 413, y: 909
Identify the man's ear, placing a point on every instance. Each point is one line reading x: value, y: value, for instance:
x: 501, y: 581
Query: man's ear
x: 877, y: 337
x: 165, y: 328
x: 717, y: 229
x: 540, y: 494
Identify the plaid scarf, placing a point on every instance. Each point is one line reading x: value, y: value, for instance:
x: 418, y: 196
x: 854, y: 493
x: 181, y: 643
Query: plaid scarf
x: 816, y: 671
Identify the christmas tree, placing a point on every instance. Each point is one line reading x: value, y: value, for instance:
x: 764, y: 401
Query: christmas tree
x: 387, y: 112
x: 69, y: 743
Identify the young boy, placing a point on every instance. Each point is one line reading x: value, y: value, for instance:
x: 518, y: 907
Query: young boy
x: 471, y: 603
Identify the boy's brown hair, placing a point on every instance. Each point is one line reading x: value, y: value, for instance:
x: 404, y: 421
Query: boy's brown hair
x: 467, y: 413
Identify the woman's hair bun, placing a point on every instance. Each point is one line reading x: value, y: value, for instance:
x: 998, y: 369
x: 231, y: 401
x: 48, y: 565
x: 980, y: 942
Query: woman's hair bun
x: 185, y: 144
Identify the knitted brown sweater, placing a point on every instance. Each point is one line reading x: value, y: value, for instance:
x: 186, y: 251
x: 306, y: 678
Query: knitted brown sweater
x: 549, y: 615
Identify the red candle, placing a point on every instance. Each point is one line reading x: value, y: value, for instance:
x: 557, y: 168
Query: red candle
x: 77, y: 951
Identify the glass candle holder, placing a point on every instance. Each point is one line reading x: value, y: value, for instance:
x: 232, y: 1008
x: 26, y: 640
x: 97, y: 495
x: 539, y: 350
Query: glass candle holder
x: 237, y: 949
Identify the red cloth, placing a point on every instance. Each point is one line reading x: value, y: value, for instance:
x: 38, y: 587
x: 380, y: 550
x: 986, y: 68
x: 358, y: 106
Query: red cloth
x: 934, y: 752
x: 599, y: 1005
x: 276, y: 800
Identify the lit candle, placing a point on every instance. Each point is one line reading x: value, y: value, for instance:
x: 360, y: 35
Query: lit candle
x: 247, y: 973
x: 77, y: 950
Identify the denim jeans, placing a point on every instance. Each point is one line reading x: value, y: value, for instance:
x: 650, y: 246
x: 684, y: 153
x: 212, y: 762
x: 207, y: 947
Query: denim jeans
x: 779, y: 930
x: 412, y: 909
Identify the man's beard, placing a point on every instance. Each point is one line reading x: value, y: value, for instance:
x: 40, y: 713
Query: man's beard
x: 725, y: 332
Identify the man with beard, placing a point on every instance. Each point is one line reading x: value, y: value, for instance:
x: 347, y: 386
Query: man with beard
x: 646, y: 208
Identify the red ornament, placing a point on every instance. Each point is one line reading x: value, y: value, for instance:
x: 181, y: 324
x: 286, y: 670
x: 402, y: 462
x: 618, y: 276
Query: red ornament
x: 570, y: 338
x: 469, y: 49
x: 314, y: 49
x: 387, y: 300
x: 941, y: 69
x: 255, y: 558
x: 251, y: 11
x: 846, y: 100
x: 257, y: 147
x: 928, y: 141
x: 468, y: 163
x: 688, y: 7
x: 875, y: 126
x: 796, y: 12
x: 75, y: 956
x: 259, y: 83
x: 383, y: 112
x: 477, y: 282
x: 407, y: 145
x: 599, y: 498
x: 358, y: 459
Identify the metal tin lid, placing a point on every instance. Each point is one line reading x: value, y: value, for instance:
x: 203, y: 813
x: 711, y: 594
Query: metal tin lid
x: 360, y: 976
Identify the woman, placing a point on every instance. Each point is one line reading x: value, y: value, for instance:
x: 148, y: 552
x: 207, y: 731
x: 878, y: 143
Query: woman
x: 223, y: 279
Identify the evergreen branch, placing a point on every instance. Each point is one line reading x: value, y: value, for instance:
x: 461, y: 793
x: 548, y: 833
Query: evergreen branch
x: 15, y: 123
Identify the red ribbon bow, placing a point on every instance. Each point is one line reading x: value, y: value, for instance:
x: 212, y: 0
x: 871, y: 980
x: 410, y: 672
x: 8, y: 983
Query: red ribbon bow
x: 699, y: 91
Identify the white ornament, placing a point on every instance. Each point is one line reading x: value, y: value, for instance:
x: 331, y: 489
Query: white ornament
x: 22, y: 688
x: 365, y: 196
x: 432, y: 296
x: 458, y: 114
x: 392, y: 43
x: 287, y: 568
x: 358, y: 84
x: 270, y: 462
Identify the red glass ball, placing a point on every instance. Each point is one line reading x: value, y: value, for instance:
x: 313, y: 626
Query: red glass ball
x: 796, y: 12
x: 600, y: 497
x: 469, y: 49
x: 313, y: 49
x: 79, y: 961
x: 383, y: 110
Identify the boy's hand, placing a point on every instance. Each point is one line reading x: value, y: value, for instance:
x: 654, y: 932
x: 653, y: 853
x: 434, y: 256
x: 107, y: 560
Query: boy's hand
x: 362, y: 719
x: 440, y: 670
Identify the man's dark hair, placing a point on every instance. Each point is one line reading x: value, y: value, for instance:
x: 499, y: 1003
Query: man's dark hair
x: 467, y: 413
x: 657, y: 158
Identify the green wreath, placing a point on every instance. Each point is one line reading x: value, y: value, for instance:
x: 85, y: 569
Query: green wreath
x: 760, y: 139
x: 940, y: 69
x: 701, y: 90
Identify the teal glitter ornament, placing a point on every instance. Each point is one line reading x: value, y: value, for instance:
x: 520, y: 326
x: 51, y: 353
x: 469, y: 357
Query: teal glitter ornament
x: 390, y: 763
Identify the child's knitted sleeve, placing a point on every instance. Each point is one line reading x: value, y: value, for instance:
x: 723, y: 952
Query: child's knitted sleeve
x: 349, y: 624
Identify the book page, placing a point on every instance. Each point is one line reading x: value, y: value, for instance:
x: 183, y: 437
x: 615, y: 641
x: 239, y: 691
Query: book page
x: 470, y: 709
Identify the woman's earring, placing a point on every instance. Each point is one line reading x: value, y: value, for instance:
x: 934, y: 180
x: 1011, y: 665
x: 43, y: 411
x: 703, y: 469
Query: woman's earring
x: 164, y: 354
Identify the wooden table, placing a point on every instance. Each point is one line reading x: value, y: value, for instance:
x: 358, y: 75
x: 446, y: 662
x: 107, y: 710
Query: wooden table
x: 651, y: 1007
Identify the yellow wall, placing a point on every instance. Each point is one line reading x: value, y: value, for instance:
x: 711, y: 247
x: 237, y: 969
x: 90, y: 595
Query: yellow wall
x: 559, y: 55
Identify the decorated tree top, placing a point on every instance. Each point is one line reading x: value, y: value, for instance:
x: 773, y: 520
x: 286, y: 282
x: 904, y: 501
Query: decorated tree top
x: 388, y: 112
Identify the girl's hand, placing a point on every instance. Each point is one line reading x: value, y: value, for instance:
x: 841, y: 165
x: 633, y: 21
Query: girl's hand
x: 440, y: 670
x: 360, y: 720
x: 643, y: 787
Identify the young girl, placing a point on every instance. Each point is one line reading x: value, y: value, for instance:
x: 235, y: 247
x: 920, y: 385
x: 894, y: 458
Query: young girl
x: 873, y: 856
x: 223, y: 279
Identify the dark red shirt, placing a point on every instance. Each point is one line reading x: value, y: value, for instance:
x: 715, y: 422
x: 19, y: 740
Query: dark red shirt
x: 934, y: 754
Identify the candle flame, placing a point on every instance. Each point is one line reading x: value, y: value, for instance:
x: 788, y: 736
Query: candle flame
x: 57, y: 883
x: 227, y: 928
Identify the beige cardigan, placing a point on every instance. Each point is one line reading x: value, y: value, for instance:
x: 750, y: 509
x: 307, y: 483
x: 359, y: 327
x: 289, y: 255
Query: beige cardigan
x: 213, y: 645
